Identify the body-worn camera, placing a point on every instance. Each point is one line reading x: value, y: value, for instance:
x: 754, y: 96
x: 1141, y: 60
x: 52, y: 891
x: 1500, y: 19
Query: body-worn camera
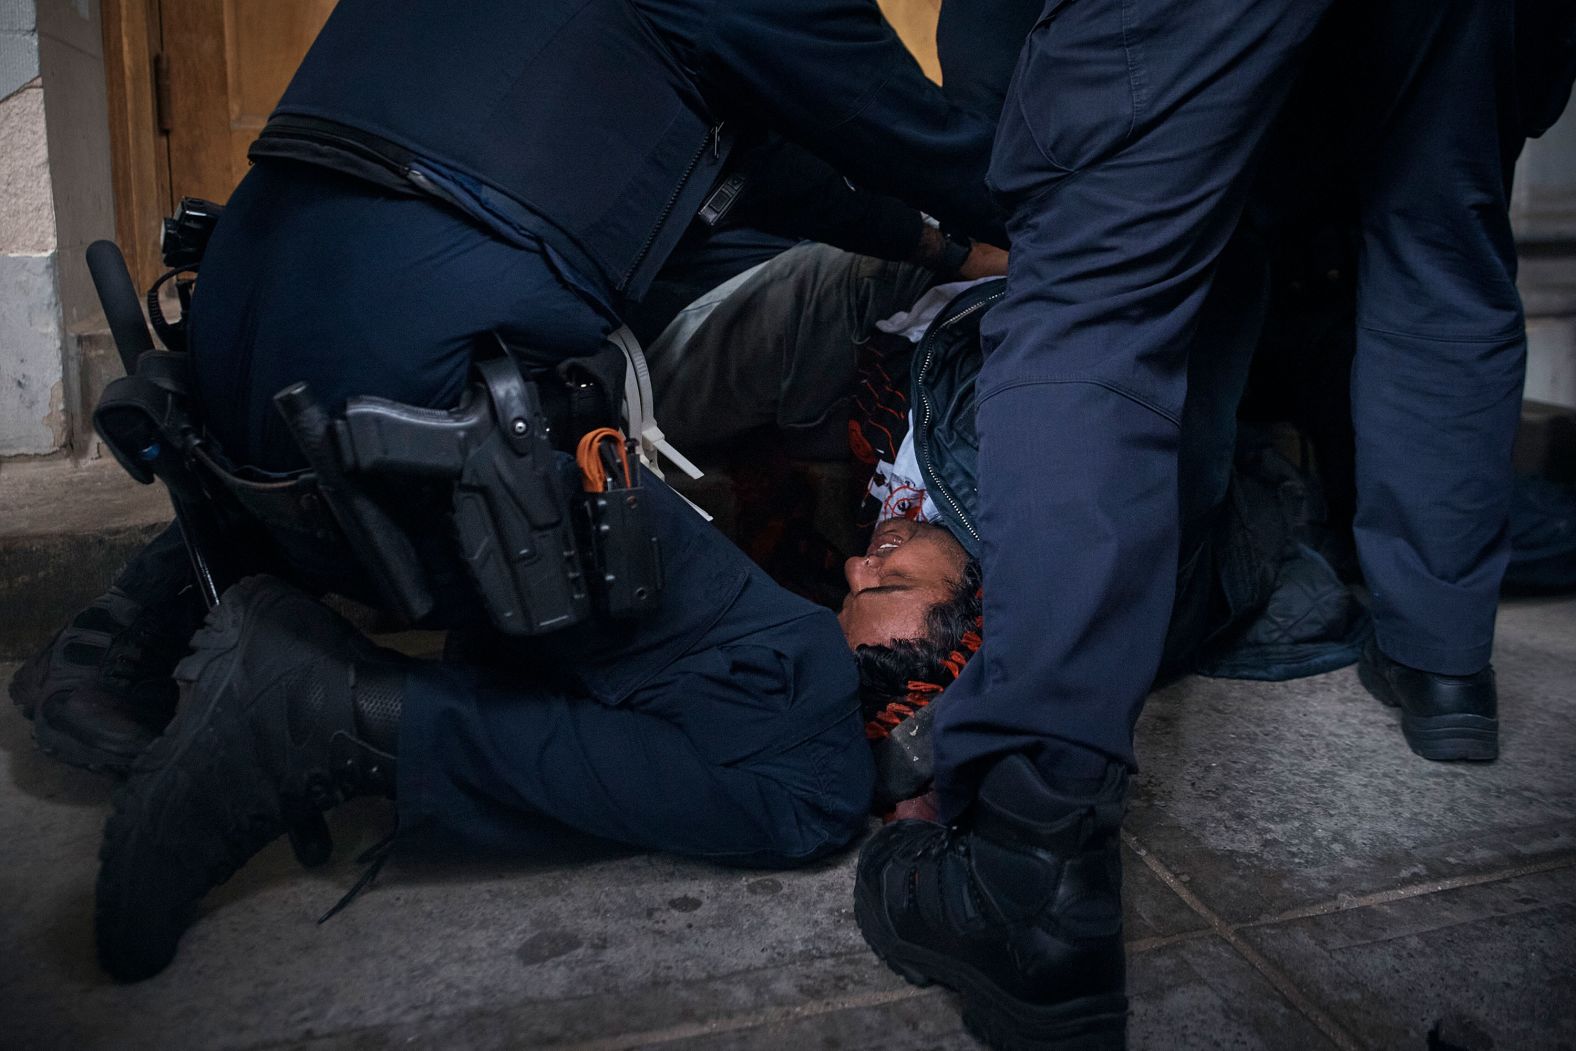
x: 185, y: 239
x: 186, y: 233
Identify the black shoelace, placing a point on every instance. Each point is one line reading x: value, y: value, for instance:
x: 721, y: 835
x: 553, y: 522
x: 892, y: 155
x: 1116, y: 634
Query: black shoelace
x: 374, y: 857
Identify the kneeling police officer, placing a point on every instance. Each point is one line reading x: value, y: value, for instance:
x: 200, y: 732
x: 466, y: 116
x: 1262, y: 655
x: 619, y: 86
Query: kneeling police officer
x: 510, y: 176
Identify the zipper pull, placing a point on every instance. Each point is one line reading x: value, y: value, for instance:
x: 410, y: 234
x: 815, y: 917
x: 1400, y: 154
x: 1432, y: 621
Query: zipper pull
x: 418, y: 178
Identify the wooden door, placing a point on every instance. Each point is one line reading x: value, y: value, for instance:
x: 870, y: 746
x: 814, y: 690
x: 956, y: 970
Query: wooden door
x: 190, y: 84
x: 225, y: 63
x: 915, y: 22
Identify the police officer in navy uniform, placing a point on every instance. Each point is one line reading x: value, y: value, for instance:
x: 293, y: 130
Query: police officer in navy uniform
x: 560, y: 151
x: 100, y: 691
x: 1126, y: 147
x: 439, y: 174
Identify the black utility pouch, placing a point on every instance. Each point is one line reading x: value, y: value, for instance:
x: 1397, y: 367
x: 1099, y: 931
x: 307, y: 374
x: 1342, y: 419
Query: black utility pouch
x: 626, y: 556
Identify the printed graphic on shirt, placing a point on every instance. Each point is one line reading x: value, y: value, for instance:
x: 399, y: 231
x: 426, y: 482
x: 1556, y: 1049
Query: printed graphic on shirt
x: 900, y: 486
x: 879, y: 420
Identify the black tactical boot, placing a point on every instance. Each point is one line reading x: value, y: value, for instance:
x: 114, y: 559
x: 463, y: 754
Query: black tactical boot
x: 79, y: 652
x: 103, y: 688
x: 145, y: 595
x: 73, y: 657
x: 286, y: 710
x: 1443, y: 717
x: 1020, y: 912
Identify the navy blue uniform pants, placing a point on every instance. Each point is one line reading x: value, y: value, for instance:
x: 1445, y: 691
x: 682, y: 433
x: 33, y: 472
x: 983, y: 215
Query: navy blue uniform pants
x: 1126, y: 146
x: 316, y: 276
x: 725, y: 725
x: 1441, y: 343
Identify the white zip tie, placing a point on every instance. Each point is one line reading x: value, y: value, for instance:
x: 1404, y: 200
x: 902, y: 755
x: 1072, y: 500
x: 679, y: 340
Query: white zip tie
x: 640, y: 416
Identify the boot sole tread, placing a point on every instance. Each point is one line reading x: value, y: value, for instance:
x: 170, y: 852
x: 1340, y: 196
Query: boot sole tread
x: 72, y: 755
x: 63, y: 747
x: 26, y: 688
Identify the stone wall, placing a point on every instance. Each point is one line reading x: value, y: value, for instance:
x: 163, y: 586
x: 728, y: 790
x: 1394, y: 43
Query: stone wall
x: 1544, y: 212
x: 55, y: 198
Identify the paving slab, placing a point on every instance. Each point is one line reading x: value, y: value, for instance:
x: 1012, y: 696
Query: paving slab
x: 1266, y: 797
x: 66, y: 528
x: 1192, y: 994
x: 429, y: 940
x: 922, y: 1021
x: 1486, y: 966
x: 44, y: 580
x: 731, y: 1010
x: 1152, y: 912
x: 1196, y: 993
x: 1256, y: 801
x: 595, y: 948
x: 1199, y: 993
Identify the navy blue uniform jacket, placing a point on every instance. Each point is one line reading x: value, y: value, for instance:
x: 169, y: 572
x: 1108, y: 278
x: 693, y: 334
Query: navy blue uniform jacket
x: 598, y: 127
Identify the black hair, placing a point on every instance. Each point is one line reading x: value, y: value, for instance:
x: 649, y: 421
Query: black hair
x: 885, y: 671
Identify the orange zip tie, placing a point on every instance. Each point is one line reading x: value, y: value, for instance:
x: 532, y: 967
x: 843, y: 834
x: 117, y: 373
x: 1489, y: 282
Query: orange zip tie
x: 900, y: 708
x: 592, y: 474
x: 920, y: 692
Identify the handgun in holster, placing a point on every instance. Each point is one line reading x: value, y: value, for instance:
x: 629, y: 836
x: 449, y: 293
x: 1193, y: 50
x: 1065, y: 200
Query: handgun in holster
x: 541, y: 553
x: 513, y: 507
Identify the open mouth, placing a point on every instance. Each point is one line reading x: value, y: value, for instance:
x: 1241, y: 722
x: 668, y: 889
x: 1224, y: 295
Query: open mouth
x: 886, y: 541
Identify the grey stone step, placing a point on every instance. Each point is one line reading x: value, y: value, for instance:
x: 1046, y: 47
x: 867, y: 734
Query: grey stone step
x: 65, y: 528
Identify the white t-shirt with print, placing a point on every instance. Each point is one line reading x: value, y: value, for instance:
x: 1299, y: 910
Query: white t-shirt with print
x: 900, y: 486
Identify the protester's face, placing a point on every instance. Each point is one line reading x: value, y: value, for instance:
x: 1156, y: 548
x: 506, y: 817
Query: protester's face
x: 908, y: 568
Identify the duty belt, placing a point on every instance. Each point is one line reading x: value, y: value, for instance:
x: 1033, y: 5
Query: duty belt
x: 540, y: 553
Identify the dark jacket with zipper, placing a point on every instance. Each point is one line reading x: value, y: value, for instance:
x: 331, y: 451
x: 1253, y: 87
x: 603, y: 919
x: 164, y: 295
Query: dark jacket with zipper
x: 1257, y: 598
x: 599, y: 127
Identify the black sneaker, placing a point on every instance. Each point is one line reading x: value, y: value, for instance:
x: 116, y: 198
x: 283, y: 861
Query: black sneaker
x: 146, y: 594
x: 1020, y: 913
x: 101, y: 719
x: 264, y: 741
x: 74, y: 656
x: 1443, y: 717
